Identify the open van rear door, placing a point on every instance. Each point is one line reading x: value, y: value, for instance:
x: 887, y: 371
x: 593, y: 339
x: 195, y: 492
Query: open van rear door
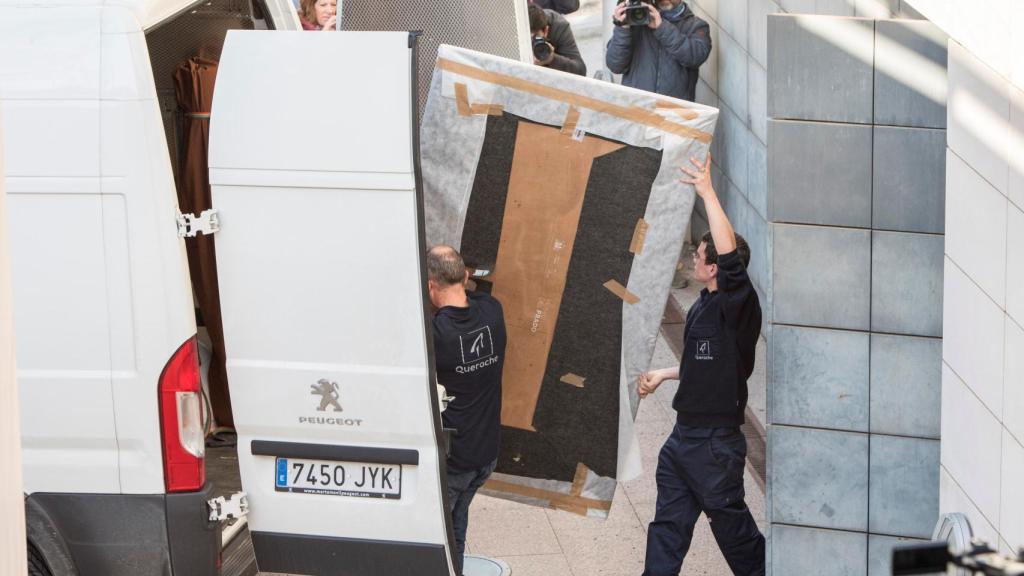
x: 320, y: 253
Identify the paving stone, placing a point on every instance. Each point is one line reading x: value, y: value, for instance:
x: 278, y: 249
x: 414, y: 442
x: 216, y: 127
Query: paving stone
x: 904, y: 486
x: 819, y: 173
x: 910, y: 74
x: 906, y: 283
x: 820, y: 68
x: 819, y: 478
x: 821, y: 276
x: 820, y: 378
x: 906, y: 385
x: 909, y: 180
x: 805, y: 551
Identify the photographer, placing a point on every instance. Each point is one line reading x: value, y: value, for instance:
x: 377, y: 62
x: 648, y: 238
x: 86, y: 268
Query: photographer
x: 553, y: 43
x: 660, y: 50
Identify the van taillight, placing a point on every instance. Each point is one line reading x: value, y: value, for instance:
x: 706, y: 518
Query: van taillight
x: 181, y: 422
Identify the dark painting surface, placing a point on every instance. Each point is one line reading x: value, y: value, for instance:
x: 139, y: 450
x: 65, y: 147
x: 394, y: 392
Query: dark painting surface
x: 572, y: 424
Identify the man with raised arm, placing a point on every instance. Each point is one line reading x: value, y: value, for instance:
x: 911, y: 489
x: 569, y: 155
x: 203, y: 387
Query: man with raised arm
x: 700, y: 467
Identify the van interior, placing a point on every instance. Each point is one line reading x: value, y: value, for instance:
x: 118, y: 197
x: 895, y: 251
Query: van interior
x: 199, y: 31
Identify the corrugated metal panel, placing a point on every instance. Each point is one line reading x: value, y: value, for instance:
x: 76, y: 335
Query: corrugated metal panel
x: 492, y: 27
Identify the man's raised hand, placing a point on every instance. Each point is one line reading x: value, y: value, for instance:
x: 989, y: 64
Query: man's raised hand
x: 699, y: 178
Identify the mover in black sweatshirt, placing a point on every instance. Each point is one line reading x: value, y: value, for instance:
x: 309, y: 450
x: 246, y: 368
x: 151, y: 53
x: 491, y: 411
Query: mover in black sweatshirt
x: 469, y: 355
x: 700, y: 467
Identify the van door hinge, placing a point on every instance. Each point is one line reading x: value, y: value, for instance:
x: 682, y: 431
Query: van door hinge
x: 230, y: 509
x: 190, y: 225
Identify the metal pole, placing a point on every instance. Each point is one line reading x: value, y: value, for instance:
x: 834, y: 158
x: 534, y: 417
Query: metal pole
x: 607, y: 7
x: 12, y: 502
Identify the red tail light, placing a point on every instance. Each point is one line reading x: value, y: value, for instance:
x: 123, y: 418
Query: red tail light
x: 181, y: 426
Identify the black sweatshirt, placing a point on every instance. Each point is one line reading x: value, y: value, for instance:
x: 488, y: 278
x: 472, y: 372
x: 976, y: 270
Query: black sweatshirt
x: 469, y: 354
x: 562, y: 6
x: 567, y: 54
x: 720, y: 338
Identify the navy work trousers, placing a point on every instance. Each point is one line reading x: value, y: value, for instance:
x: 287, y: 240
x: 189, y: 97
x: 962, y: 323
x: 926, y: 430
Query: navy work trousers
x: 701, y: 470
x: 462, y: 486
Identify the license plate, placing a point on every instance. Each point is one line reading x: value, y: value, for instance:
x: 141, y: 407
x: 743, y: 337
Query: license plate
x: 334, y: 478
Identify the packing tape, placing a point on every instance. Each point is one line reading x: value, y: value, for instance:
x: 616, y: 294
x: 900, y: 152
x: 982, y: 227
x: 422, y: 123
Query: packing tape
x: 636, y: 246
x: 619, y: 290
x: 489, y: 109
x: 558, y: 500
x: 467, y: 109
x: 462, y: 99
x: 682, y: 112
x: 571, y: 118
x: 579, y: 480
x: 573, y: 380
x: 631, y: 113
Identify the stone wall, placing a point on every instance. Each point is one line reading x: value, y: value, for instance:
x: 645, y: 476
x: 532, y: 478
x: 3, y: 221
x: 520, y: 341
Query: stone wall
x: 855, y: 200
x: 734, y: 79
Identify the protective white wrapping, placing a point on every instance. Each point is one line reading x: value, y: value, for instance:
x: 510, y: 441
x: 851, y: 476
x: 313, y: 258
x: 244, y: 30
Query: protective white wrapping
x: 451, y: 144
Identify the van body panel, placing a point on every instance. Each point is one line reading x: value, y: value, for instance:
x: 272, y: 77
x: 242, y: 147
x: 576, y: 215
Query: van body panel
x: 129, y: 535
x: 63, y: 346
x: 49, y: 52
x: 318, y: 556
x: 151, y: 310
x: 322, y: 291
x: 328, y: 142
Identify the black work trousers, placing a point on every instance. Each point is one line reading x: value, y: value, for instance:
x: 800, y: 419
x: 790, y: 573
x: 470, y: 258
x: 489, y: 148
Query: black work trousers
x: 701, y: 470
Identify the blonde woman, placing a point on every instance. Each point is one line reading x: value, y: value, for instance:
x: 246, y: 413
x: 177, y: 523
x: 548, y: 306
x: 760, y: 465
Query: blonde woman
x: 318, y: 14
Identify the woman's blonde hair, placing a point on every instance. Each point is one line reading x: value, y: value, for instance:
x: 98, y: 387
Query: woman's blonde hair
x: 307, y: 11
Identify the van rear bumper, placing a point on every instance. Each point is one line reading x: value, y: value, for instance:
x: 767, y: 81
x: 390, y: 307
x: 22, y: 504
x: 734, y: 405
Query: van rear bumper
x: 131, y: 534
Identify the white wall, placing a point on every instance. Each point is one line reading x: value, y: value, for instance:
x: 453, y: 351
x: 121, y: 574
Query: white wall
x: 12, y: 503
x: 983, y: 352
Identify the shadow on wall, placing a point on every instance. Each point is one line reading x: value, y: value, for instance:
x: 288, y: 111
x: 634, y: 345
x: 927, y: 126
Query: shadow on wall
x: 979, y: 122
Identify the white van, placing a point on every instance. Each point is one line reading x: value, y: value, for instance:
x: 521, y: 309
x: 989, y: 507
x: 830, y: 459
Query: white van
x: 109, y: 384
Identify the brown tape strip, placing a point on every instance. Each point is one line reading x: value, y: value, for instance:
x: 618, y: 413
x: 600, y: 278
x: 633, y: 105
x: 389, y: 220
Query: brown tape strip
x: 571, y: 118
x: 631, y: 113
x: 573, y: 380
x: 462, y: 99
x: 684, y: 113
x: 467, y: 109
x: 557, y: 499
x: 619, y: 290
x: 579, y: 480
x: 639, y: 236
x: 489, y: 109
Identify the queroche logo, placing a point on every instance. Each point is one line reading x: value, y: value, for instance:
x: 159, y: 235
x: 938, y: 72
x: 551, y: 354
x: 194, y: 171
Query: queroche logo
x: 476, y: 345
x: 477, y: 349
x: 704, y: 350
x: 329, y: 394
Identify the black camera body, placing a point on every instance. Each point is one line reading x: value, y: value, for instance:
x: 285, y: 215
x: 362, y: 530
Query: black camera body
x: 542, y: 49
x: 636, y: 13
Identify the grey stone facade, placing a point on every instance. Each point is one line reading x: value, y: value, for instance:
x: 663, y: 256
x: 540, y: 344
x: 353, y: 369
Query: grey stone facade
x: 856, y: 181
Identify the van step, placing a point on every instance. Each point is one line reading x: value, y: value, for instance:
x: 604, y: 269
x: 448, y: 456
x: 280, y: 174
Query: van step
x: 238, y: 558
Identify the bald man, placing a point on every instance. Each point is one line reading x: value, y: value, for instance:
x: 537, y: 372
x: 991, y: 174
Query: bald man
x: 469, y: 354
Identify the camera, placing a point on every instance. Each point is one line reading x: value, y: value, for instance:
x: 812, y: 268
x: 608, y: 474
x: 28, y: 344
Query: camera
x: 636, y: 13
x: 542, y: 49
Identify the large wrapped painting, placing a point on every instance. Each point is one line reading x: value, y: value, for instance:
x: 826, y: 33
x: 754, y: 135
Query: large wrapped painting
x: 566, y: 189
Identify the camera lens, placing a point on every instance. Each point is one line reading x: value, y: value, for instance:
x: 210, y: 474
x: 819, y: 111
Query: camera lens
x: 637, y: 14
x: 541, y: 48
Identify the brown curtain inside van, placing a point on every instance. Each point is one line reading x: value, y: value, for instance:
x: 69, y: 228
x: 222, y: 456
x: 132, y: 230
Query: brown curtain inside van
x: 193, y: 86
